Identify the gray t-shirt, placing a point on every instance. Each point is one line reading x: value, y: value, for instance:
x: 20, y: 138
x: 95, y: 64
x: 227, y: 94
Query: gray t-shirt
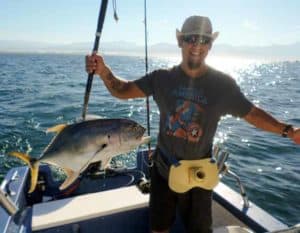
x: 190, y: 109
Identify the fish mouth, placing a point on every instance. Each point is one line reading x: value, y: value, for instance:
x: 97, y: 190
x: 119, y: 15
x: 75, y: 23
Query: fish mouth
x: 145, y: 139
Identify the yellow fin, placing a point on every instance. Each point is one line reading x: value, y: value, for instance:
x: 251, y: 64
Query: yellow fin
x: 34, y: 168
x: 34, y: 176
x: 71, y: 177
x: 56, y: 128
x: 22, y: 156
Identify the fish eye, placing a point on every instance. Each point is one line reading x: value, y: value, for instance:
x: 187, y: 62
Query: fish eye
x: 133, y: 128
x: 137, y: 128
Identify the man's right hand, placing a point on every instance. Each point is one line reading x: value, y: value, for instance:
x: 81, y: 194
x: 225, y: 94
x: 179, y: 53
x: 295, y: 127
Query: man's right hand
x: 95, y: 63
x: 118, y: 87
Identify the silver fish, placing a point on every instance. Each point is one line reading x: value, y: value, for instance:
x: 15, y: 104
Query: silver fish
x: 77, y: 145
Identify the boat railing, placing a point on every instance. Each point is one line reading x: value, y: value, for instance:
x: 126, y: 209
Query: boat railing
x: 221, y: 157
x: 7, y: 203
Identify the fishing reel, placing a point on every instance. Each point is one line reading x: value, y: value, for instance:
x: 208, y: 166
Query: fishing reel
x: 143, y: 185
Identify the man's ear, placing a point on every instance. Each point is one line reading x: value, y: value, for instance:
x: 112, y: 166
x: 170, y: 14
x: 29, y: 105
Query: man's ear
x: 179, y: 41
x: 210, y: 45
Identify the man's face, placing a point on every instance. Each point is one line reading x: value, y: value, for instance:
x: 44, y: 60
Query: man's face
x: 194, y: 50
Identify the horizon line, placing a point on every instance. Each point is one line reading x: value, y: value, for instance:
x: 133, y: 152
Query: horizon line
x: 137, y: 44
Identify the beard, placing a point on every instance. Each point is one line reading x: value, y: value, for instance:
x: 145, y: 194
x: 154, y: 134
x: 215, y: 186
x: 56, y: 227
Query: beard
x: 194, y: 64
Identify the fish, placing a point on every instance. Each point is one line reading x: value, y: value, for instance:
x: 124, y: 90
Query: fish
x: 77, y: 145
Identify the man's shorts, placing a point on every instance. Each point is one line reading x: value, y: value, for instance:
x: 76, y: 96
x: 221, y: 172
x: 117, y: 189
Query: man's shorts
x: 194, y: 206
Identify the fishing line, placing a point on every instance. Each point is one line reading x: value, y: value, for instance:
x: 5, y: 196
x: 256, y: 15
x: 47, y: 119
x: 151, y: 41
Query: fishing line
x: 115, y: 10
x: 146, y: 71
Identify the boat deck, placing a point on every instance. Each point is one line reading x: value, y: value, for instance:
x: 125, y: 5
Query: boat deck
x: 86, y: 207
x: 113, y: 202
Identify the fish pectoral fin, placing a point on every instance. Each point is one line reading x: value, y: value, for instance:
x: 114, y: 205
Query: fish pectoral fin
x: 105, y: 164
x: 56, y: 128
x: 71, y: 177
x: 34, y: 168
x: 91, y: 157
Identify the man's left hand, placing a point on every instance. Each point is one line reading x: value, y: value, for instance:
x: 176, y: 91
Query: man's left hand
x: 295, y: 136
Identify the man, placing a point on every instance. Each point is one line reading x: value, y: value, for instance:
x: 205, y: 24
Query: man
x: 191, y: 98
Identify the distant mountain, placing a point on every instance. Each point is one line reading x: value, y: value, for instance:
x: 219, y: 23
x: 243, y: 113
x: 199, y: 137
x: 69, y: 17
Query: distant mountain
x: 20, y: 46
x: 291, y: 51
x: 42, y: 47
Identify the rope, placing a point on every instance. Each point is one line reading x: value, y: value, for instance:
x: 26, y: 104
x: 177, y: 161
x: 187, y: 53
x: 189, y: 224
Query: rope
x: 115, y: 10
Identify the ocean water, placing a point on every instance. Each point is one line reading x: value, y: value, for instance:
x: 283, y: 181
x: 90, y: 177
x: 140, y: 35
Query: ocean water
x: 38, y: 91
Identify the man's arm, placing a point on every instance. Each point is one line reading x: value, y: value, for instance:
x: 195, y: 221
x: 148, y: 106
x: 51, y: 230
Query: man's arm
x: 261, y: 119
x: 118, y: 87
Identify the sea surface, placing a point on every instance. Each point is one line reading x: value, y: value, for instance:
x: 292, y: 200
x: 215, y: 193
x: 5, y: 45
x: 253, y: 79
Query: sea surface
x: 38, y: 91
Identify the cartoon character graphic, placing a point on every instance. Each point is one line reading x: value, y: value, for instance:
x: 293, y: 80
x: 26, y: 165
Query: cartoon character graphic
x: 185, y: 121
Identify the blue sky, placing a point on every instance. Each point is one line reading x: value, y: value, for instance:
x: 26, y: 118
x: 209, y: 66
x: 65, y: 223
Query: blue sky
x: 240, y: 22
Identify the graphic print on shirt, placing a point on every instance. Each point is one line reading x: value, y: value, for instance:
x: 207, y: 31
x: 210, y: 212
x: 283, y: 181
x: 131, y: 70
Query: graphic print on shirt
x: 186, y: 120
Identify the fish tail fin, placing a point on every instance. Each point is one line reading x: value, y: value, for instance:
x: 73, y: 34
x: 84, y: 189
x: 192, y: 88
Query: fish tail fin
x: 24, y: 157
x: 34, y: 176
x: 33, y: 165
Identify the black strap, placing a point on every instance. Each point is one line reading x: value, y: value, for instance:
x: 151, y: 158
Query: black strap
x: 168, y: 157
x: 286, y: 130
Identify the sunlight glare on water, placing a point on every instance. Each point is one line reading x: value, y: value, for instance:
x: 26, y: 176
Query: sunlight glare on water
x: 231, y: 65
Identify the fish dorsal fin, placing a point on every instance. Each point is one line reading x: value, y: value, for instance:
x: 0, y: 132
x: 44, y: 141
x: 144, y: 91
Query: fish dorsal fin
x: 71, y: 177
x: 56, y: 128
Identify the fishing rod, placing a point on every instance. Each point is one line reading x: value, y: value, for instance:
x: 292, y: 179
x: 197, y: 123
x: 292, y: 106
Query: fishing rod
x: 95, y: 50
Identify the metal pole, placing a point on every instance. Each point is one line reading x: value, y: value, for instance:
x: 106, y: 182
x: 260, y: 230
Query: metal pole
x: 7, y: 203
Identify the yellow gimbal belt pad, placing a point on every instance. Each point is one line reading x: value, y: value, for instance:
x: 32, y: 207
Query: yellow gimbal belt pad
x: 201, y: 173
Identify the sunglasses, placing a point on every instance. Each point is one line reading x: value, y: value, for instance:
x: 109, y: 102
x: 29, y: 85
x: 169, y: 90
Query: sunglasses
x: 196, y: 39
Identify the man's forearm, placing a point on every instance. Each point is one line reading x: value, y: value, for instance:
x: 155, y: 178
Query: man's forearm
x: 115, y: 85
x: 263, y: 120
x: 120, y: 88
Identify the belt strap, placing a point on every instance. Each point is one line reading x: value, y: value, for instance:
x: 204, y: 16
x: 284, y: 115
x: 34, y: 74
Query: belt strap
x: 169, y: 158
